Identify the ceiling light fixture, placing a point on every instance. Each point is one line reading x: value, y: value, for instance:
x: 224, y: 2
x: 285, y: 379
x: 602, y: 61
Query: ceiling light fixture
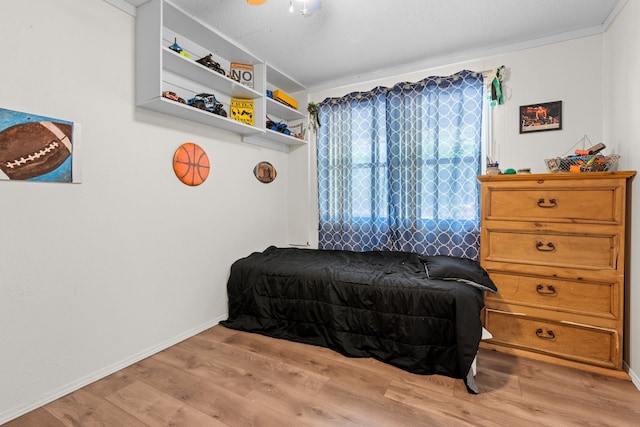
x: 308, y: 6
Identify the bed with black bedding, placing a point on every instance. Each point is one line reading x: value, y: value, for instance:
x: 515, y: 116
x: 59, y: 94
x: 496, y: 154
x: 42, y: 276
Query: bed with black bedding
x: 419, y: 313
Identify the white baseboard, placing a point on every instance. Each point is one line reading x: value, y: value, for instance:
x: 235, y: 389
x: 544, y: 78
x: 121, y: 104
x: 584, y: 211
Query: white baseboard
x: 95, y: 376
x: 635, y: 379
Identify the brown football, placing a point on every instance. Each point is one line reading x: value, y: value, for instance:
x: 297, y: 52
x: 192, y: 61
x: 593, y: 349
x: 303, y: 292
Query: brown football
x: 32, y: 149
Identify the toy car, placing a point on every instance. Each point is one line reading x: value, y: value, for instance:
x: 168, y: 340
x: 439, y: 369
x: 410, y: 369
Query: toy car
x: 207, y: 102
x: 278, y: 127
x: 173, y: 96
x: 208, y: 62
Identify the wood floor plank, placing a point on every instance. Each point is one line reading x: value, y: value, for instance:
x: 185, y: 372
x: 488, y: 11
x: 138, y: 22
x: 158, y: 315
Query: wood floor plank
x: 444, y: 408
x: 268, y: 371
x: 260, y: 360
x: 239, y: 380
x: 161, y: 375
x: 552, y: 375
x: 308, y: 410
x: 233, y: 409
x: 346, y: 392
x: 155, y: 408
x: 83, y: 408
x: 311, y: 357
x: 434, y: 383
x: 553, y: 405
x: 618, y: 395
x: 111, y: 383
x: 219, y: 333
x: 223, y: 377
x: 491, y: 380
x: 323, y: 361
x: 39, y: 417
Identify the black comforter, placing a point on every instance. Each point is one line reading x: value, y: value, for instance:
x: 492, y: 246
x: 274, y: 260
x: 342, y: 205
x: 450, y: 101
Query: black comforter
x: 364, y: 304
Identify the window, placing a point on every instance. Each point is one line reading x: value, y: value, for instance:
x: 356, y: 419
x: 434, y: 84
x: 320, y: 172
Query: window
x: 397, y: 167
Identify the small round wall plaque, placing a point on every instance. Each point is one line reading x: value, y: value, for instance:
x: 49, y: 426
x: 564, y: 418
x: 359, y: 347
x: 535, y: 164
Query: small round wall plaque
x: 265, y: 172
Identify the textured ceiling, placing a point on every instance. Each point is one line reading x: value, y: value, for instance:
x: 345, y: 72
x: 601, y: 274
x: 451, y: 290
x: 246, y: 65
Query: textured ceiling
x: 355, y: 40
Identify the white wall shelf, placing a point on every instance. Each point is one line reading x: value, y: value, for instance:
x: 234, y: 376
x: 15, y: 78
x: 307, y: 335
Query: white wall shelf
x: 178, y: 64
x: 158, y: 68
x: 183, y: 111
x: 285, y: 112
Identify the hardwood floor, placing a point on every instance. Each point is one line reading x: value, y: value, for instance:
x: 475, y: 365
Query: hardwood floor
x: 228, y: 378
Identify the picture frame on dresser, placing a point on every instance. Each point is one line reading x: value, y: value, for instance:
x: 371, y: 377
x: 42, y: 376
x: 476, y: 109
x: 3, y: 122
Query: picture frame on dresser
x: 541, y: 117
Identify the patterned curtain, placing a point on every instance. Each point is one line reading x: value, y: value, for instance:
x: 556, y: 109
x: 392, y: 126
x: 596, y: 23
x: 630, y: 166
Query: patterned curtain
x: 397, y: 167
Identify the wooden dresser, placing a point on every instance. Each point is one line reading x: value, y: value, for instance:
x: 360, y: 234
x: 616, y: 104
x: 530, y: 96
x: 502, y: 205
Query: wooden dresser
x: 555, y: 246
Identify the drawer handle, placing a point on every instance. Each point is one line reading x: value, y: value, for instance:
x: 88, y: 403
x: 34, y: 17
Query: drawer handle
x: 548, y: 336
x: 549, y: 247
x: 551, y: 204
x: 550, y: 290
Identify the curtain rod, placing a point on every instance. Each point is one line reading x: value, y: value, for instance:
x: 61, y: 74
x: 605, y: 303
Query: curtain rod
x: 491, y: 71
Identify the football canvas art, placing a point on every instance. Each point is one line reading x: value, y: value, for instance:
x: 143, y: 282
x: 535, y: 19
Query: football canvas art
x: 35, y: 148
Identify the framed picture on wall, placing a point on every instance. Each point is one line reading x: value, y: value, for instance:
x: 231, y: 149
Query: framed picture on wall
x: 541, y: 117
x: 38, y: 148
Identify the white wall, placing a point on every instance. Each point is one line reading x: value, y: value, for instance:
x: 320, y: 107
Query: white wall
x: 97, y: 275
x: 621, y: 86
x: 570, y: 72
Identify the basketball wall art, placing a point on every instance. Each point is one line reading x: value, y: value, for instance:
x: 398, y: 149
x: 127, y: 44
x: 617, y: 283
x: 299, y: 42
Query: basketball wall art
x: 38, y: 148
x: 191, y: 164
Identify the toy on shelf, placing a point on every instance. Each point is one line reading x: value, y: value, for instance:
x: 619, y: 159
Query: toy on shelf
x: 278, y: 126
x: 285, y: 99
x: 208, y: 62
x: 173, y: 96
x: 207, y: 102
x: 176, y: 48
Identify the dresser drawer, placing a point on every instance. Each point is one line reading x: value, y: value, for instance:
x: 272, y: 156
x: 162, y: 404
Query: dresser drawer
x: 571, y: 296
x: 570, y: 341
x: 586, y: 251
x: 579, y: 204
